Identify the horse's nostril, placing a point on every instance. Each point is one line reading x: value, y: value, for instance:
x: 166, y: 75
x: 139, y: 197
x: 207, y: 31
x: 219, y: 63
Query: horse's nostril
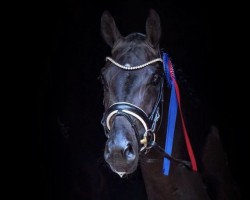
x: 128, y: 152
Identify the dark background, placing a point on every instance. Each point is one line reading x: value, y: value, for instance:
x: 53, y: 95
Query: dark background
x: 68, y: 51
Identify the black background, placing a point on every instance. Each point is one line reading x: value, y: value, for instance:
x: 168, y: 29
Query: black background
x: 68, y: 51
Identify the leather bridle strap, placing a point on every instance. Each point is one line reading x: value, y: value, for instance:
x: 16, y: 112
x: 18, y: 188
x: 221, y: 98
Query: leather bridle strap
x: 169, y: 157
x: 128, y: 108
x: 131, y: 121
x: 128, y: 67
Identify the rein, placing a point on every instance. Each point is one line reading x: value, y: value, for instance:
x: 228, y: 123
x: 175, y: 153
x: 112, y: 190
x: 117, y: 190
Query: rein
x: 149, y: 122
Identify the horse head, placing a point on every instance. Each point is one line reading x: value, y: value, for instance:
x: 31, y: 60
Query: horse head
x: 132, y: 79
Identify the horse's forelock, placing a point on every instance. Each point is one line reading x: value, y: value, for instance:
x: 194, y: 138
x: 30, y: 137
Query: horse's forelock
x: 132, y: 43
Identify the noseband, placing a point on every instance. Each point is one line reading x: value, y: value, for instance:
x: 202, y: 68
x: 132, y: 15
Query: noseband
x: 131, y: 111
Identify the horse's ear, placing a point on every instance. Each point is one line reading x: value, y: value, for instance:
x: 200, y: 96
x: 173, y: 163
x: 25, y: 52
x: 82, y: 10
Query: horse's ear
x: 109, y: 31
x: 153, y: 28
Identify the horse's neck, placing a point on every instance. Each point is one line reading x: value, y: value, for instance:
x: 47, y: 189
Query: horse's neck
x: 181, y: 183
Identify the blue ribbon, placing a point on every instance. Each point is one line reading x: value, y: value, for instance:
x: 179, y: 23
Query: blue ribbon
x: 172, y: 114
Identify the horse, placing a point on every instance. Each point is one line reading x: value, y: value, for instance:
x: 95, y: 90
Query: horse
x: 135, y: 102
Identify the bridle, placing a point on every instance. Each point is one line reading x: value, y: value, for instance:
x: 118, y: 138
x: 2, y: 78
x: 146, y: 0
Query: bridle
x: 131, y: 111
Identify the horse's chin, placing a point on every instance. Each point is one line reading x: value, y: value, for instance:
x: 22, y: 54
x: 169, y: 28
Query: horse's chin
x: 123, y: 173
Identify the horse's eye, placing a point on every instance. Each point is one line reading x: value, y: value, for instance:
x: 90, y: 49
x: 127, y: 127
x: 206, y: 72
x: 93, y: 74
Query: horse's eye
x: 156, y: 79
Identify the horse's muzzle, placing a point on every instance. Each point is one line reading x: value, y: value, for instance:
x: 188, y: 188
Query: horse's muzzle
x: 121, y: 150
